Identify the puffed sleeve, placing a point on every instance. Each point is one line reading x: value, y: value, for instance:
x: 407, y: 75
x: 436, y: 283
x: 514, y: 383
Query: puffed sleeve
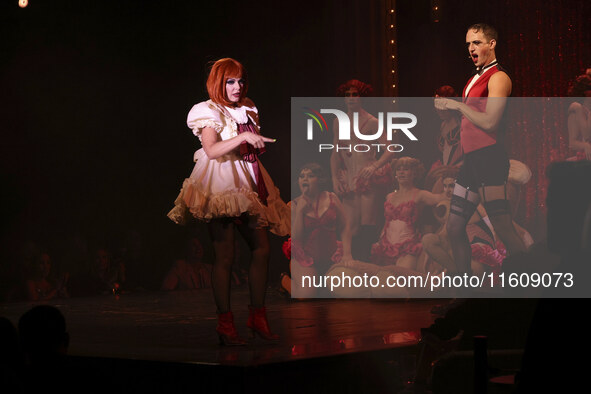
x: 252, y: 112
x: 204, y: 114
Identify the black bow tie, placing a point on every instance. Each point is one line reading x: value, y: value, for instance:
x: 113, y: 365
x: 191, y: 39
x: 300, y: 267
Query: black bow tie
x: 480, y: 70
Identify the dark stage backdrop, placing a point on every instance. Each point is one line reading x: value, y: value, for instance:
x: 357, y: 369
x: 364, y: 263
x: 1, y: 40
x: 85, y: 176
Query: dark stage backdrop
x: 95, y: 96
x: 95, y: 93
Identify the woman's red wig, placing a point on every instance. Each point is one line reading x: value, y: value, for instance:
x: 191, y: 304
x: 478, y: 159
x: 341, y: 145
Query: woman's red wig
x: 216, y: 82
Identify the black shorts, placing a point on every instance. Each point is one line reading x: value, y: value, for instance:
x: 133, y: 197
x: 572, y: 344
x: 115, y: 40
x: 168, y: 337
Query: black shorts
x: 488, y: 166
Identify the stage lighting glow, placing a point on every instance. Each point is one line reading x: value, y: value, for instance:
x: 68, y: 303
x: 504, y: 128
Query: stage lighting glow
x: 391, y: 37
x: 23, y: 3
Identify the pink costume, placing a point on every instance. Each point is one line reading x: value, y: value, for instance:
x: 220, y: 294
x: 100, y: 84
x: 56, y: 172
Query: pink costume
x: 484, y: 249
x: 400, y: 236
x: 319, y: 246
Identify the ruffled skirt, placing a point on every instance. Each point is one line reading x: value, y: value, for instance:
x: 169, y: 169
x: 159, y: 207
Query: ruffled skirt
x: 225, y: 188
x: 386, y: 253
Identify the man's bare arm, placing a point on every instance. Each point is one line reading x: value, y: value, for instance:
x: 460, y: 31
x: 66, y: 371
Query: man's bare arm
x: 499, y: 88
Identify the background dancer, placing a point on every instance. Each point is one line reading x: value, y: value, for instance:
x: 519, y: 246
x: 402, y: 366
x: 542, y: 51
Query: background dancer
x: 357, y: 176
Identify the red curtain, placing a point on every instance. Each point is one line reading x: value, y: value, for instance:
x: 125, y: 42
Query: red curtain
x: 549, y: 44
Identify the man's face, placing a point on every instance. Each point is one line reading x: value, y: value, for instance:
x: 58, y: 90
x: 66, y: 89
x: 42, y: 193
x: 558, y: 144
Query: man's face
x: 481, y: 50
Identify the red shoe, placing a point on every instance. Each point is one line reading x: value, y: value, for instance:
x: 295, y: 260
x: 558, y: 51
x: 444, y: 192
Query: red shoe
x: 227, y: 332
x: 257, y: 322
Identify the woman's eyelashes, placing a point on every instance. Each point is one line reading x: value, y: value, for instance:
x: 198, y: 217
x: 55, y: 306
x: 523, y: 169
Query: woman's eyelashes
x: 232, y: 81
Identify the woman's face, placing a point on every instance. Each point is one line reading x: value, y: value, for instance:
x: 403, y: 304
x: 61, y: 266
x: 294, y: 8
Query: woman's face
x: 234, y: 87
x: 308, y: 182
x: 404, y: 175
x: 448, y: 186
x: 352, y: 98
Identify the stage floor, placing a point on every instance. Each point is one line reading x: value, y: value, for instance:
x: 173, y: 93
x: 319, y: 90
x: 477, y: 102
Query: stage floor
x: 179, y: 327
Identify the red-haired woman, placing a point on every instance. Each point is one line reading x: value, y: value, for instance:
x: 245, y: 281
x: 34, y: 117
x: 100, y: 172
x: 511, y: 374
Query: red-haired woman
x: 229, y: 189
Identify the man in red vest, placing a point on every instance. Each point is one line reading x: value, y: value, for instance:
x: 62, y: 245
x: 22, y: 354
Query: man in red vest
x: 483, y: 175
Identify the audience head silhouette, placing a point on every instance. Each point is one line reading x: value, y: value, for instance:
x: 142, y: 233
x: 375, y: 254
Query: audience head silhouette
x: 43, y: 333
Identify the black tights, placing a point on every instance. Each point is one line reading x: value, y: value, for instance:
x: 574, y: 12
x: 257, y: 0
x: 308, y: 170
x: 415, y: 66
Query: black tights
x: 461, y: 210
x: 221, y: 232
x: 463, y: 205
x: 459, y: 242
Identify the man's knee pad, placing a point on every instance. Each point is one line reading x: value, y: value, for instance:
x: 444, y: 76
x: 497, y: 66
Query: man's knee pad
x: 461, y: 207
x: 497, y: 207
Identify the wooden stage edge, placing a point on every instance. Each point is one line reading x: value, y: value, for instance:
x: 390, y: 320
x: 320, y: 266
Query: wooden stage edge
x: 168, y: 340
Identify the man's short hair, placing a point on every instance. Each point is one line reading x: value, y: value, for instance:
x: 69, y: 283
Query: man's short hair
x: 490, y: 33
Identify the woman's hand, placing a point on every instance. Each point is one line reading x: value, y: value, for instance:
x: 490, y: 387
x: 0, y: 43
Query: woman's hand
x: 303, y: 205
x: 368, y: 171
x: 339, y: 184
x: 214, y: 148
x: 257, y: 141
